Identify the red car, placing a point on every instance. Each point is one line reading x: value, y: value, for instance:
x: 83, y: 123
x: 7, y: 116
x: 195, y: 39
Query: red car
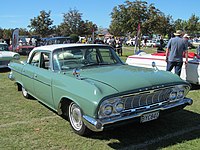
x: 22, y: 49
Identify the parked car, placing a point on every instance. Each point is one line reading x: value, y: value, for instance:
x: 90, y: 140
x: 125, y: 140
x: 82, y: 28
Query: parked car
x: 6, y: 56
x: 94, y: 89
x: 195, y: 42
x: 23, y: 49
x: 151, y: 43
x: 130, y: 42
x: 190, y: 72
x: 56, y: 40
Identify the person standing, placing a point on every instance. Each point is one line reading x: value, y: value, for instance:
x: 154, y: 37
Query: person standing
x: 174, y: 53
x: 186, y: 38
x: 161, y: 42
x: 145, y: 42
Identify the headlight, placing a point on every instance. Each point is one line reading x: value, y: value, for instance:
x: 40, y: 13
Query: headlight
x: 107, y: 110
x: 180, y: 94
x: 172, y: 95
x: 119, y: 107
x: 111, y: 107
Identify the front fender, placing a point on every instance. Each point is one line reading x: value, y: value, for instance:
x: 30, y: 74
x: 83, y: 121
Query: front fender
x: 86, y: 94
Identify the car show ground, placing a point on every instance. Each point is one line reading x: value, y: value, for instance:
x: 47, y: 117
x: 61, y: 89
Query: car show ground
x: 26, y: 124
x: 142, y: 145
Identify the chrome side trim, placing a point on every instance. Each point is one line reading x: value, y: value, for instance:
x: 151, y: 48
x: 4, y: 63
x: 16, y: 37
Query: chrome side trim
x: 28, y: 76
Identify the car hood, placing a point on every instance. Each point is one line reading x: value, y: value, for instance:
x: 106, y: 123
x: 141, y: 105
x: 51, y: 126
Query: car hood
x: 124, y: 77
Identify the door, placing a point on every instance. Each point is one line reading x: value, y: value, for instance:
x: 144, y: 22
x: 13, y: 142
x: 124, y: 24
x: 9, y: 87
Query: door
x: 42, y: 80
x: 28, y: 73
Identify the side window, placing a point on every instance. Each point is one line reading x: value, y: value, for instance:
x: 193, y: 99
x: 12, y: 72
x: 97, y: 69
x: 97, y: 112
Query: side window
x: 107, y: 56
x: 44, y: 61
x: 91, y: 56
x: 35, y: 59
x: 41, y: 59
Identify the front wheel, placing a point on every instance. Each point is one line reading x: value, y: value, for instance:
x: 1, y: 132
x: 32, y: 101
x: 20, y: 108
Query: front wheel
x: 75, y: 119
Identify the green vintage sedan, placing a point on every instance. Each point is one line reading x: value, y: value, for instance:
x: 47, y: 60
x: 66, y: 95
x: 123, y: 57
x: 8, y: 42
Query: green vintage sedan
x: 94, y: 89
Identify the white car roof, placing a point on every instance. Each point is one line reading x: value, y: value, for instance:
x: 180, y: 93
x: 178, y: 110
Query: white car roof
x: 57, y: 46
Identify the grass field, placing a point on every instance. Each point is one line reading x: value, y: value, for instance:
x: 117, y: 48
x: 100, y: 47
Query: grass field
x: 27, y: 124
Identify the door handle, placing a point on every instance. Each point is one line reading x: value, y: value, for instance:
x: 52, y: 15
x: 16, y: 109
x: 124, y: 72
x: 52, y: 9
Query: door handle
x: 35, y: 75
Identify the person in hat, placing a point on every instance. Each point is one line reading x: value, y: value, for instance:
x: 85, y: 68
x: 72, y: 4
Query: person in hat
x: 174, y: 52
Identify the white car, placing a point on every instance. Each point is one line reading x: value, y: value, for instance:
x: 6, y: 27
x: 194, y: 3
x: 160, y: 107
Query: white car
x: 130, y: 42
x: 6, y: 56
x: 151, y: 43
x: 190, y: 72
x: 196, y: 43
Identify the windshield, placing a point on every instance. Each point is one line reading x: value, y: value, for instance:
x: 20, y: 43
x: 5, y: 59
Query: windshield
x: 3, y: 47
x: 82, y: 57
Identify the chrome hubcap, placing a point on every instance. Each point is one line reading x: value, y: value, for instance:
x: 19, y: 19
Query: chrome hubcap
x: 75, y: 117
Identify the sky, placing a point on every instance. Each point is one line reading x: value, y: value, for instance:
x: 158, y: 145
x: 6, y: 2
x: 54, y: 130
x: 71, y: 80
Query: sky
x: 17, y: 13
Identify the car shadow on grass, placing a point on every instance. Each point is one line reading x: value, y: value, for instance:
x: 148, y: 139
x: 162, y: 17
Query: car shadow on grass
x: 195, y: 87
x: 169, y: 130
x: 4, y: 70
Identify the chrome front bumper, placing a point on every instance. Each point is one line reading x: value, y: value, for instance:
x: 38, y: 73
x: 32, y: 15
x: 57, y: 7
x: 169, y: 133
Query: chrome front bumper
x: 98, y: 125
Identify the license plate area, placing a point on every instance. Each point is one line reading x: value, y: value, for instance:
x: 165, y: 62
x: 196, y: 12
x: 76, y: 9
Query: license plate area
x: 149, y: 116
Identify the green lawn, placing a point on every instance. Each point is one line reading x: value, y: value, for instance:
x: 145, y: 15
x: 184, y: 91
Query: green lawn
x: 27, y: 124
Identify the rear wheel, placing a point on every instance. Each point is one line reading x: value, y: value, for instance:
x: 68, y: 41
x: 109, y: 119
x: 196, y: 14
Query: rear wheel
x: 25, y: 93
x: 75, y: 119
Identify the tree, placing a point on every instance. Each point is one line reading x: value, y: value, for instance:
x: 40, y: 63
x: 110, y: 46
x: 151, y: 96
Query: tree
x: 180, y: 24
x: 193, y: 25
x: 165, y: 25
x: 74, y: 37
x: 119, y: 17
x: 190, y: 26
x: 42, y: 24
x: 63, y: 30
x: 89, y: 27
x: 73, y: 24
x: 23, y: 31
x: 1, y: 33
x: 7, y: 33
x: 73, y: 19
x: 126, y: 17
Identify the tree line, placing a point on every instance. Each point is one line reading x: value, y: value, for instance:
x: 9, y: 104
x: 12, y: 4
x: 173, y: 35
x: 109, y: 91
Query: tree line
x: 125, y: 19
x: 42, y: 26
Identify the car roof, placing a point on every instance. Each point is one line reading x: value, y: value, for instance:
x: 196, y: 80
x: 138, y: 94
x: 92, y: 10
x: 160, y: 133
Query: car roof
x: 53, y: 47
x: 57, y: 46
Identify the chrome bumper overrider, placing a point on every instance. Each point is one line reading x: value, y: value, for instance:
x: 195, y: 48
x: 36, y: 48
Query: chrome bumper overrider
x: 98, y: 124
x: 11, y: 76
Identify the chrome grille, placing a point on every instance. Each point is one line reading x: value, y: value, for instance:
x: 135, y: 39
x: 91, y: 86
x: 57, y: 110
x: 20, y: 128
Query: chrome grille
x: 146, y: 98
